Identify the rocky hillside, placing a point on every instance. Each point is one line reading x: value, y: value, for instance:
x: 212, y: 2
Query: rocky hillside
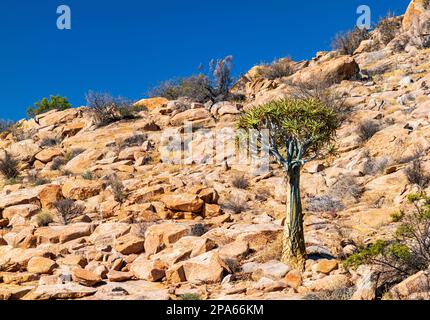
x: 103, y: 212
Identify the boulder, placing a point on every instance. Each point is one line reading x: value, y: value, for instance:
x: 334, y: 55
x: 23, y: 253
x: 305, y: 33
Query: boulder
x: 63, y: 234
x: 330, y: 283
x: 118, y: 276
x: 129, y: 244
x: 106, y: 233
x: 60, y: 291
x: 414, y: 10
x: 325, y: 266
x: 190, y: 115
x: 47, y: 155
x: 157, y: 237
x: 85, y: 277
x: 41, y: 265
x: 24, y: 210
x: 331, y: 71
x: 418, y: 283
x: 81, y: 189
x: 24, y: 150
x: 149, y: 270
x: 152, y: 103
x: 204, y: 269
x: 183, y: 202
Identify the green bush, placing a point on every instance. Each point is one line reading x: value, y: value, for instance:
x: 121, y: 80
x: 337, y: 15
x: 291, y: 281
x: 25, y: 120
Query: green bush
x: 409, y: 250
x: 53, y: 103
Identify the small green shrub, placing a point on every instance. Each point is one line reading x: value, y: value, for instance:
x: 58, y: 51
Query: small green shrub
x: 117, y: 188
x: 53, y: 103
x: 44, y: 218
x: 348, y: 42
x: 88, y: 175
x: 190, y: 296
x: 408, y: 252
x: 9, y: 166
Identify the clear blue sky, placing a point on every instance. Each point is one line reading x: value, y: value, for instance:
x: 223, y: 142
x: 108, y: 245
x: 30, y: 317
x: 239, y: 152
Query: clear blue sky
x: 126, y: 47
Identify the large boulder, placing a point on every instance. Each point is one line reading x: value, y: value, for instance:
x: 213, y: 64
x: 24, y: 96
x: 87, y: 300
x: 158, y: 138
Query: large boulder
x: 48, y: 155
x: 81, y: 189
x: 190, y: 115
x: 41, y: 265
x: 24, y: 150
x: 158, y: 237
x: 183, y: 202
x: 331, y: 71
x: 414, y: 10
x: 152, y: 103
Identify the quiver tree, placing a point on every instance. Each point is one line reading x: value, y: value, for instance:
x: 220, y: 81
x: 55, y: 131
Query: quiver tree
x: 298, y: 132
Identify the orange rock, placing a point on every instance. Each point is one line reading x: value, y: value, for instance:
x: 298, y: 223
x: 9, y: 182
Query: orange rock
x: 85, y: 277
x: 41, y: 265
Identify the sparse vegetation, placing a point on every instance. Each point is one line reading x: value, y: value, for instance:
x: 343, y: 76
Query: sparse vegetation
x: 117, y: 188
x: 67, y: 210
x: 34, y: 179
x: 201, y: 87
x: 374, y: 165
x: 44, y: 218
x: 190, y: 296
x: 20, y: 134
x: 323, y: 203
x: 9, y: 166
x: 388, y: 28
x: 416, y: 174
x: 135, y: 140
x: 367, y: 129
x: 346, y: 185
x: 5, y: 125
x: 348, y: 42
x: 236, y: 204
x: 278, y: 69
x: 73, y: 154
x: 88, y: 175
x: 409, y: 251
x: 50, y: 142
x: 106, y: 109
x: 58, y: 163
x: 53, y: 103
x: 240, y: 182
x: 340, y: 294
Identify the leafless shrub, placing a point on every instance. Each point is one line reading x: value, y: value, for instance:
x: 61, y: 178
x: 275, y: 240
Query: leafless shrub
x: 373, y: 166
x: 236, y: 204
x: 416, y: 174
x: 278, y: 69
x: 106, y: 109
x: 323, y: 203
x: 67, y: 210
x: 417, y: 154
x: 197, y: 230
x: 388, y: 28
x: 34, y: 179
x: 346, y: 185
x: 367, y: 129
x: 20, y: 134
x: 9, y: 166
x: 117, y: 187
x: 240, y: 182
x: 134, y: 141
x: 324, y: 93
x: 340, y: 294
x: 348, y: 42
x: 5, y: 125
x: 73, y: 154
x: 50, y: 142
x: 262, y: 194
x: 57, y: 163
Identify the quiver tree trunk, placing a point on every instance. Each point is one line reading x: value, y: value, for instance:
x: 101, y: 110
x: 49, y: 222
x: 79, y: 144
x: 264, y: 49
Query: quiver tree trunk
x: 294, y: 249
